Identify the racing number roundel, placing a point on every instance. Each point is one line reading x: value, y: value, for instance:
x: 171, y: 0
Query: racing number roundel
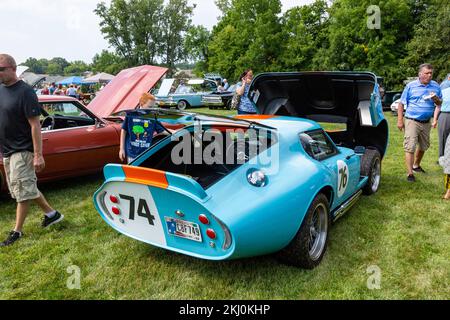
x: 342, y: 177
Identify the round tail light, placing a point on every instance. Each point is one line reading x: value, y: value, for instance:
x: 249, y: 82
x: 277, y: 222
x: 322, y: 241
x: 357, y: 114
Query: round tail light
x: 211, y: 234
x: 116, y: 211
x: 203, y: 219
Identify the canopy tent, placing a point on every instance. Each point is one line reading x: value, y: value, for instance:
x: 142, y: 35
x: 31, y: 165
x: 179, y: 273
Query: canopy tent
x: 101, y: 77
x: 71, y: 80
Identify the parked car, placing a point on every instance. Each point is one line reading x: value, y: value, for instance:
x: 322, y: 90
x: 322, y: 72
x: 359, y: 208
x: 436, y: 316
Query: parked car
x: 79, y: 140
x: 389, y: 98
x: 187, y: 95
x: 394, y: 107
x: 218, y: 99
x: 287, y: 181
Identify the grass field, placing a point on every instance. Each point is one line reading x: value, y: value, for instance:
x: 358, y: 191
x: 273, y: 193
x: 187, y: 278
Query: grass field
x: 402, y: 231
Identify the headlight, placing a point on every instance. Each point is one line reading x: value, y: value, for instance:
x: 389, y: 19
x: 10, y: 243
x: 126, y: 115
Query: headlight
x: 256, y: 178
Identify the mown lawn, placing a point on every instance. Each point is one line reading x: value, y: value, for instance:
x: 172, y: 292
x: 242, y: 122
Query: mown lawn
x: 403, y: 230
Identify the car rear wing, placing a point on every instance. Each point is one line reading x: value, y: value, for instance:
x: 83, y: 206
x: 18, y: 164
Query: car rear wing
x: 156, y: 178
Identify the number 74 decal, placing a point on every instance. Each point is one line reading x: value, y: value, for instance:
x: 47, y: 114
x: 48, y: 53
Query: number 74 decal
x: 142, y: 210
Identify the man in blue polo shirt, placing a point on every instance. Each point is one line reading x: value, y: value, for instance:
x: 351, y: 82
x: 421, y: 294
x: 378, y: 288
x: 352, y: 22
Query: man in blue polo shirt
x: 420, y: 98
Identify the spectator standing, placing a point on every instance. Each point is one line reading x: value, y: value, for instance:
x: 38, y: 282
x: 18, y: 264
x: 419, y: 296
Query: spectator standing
x: 45, y: 90
x: 444, y: 116
x: 245, y: 105
x: 58, y: 90
x: 71, y: 91
x: 21, y: 146
x: 420, y: 97
x: 444, y: 161
x: 52, y: 88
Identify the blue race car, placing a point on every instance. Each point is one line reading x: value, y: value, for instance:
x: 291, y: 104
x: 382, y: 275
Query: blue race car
x: 227, y: 188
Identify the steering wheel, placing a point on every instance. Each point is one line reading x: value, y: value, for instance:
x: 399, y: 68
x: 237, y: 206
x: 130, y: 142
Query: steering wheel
x: 239, y: 151
x: 48, y: 122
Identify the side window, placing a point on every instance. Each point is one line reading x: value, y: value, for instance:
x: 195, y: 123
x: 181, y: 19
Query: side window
x: 63, y: 109
x: 317, y: 144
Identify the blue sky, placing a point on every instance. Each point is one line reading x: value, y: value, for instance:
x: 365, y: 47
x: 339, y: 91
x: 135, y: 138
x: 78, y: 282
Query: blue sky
x: 69, y: 28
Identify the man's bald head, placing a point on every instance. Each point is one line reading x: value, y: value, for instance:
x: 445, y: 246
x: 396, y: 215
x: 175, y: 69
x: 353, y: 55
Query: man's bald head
x: 8, y: 68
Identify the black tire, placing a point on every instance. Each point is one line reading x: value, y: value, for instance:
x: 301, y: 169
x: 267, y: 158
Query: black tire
x: 182, y: 104
x: 300, y: 252
x: 371, y: 167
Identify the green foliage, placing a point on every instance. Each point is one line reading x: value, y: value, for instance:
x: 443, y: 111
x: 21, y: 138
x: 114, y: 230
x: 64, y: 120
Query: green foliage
x: 108, y: 62
x: 304, y: 34
x: 332, y: 36
x: 430, y: 42
x: 133, y: 28
x: 76, y: 68
x: 175, y: 24
x: 146, y: 31
x: 56, y: 66
x: 196, y: 46
x: 248, y: 36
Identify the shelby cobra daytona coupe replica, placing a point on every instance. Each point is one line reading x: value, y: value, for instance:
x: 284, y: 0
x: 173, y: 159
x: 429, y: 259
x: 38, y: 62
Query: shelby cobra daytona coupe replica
x: 273, y: 182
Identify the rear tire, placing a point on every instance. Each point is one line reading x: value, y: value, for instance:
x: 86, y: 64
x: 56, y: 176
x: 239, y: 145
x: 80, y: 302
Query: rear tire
x: 308, y: 247
x: 371, y: 167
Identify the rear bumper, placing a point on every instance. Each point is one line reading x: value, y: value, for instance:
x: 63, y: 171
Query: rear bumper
x: 159, y: 200
x: 167, y: 103
x: 212, y: 103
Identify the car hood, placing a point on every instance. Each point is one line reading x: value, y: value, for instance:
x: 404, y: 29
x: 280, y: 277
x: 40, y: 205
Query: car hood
x: 310, y: 93
x: 124, y: 91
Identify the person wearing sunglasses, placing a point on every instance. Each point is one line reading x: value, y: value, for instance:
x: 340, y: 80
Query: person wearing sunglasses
x: 21, y: 147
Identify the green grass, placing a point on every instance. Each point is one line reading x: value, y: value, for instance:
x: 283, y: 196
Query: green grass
x: 403, y: 229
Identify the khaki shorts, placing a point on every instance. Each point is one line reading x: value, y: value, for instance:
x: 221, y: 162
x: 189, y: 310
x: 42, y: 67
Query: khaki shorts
x: 416, y: 133
x: 21, y: 177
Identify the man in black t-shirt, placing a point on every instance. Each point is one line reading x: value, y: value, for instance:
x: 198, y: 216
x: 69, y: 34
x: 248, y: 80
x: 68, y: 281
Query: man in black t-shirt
x: 21, y: 146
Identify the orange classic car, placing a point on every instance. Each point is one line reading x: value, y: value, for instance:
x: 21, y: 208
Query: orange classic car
x: 78, y: 139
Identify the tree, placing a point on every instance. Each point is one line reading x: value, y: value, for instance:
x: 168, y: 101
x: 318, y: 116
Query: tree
x: 430, y: 42
x: 247, y: 36
x: 36, y: 66
x: 76, y: 68
x: 356, y: 45
x: 223, y: 5
x: 196, y: 46
x: 133, y: 28
x: 108, y: 62
x: 304, y: 34
x: 175, y: 23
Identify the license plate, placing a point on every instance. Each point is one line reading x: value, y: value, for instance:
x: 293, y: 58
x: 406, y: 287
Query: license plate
x: 183, y: 229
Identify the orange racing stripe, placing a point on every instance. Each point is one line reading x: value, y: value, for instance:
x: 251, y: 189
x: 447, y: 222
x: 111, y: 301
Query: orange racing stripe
x: 146, y: 176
